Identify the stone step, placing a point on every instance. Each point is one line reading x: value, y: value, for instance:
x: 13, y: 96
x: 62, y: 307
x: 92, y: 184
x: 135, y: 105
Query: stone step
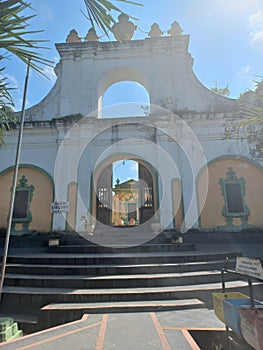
x: 115, y: 281
x: 21, y: 318
x: 114, y: 269
x: 60, y: 313
x: 30, y: 300
x: 120, y: 258
x: 119, y: 276
x: 96, y: 249
x: 131, y: 306
x: 55, y: 314
x: 238, y: 238
x: 126, y: 236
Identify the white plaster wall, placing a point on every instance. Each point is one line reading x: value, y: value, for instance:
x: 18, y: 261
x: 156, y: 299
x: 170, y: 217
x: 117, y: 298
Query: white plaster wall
x: 214, y: 139
x: 163, y: 65
x: 41, y: 143
x: 86, y: 70
x: 39, y: 148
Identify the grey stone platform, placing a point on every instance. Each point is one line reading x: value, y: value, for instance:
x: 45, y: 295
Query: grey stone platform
x: 170, y: 330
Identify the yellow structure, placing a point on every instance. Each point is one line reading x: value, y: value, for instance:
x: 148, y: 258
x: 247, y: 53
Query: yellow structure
x: 125, y: 203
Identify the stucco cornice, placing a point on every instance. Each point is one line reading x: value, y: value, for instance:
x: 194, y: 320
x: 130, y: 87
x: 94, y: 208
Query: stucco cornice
x: 167, y: 44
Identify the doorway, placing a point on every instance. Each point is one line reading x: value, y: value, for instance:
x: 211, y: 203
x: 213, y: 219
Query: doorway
x: 125, y: 193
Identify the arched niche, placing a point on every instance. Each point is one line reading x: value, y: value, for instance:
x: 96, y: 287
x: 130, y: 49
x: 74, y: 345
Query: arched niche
x: 43, y: 196
x: 244, y: 173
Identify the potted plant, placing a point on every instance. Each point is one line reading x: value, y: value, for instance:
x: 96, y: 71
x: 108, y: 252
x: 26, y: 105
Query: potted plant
x: 156, y: 226
x: 53, y: 239
x: 89, y: 226
x: 177, y: 238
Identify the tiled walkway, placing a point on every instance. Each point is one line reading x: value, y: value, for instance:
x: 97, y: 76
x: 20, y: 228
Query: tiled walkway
x: 127, y: 331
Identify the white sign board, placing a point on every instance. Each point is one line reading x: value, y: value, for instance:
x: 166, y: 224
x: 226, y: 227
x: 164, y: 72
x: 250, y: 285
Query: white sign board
x: 59, y: 207
x: 249, y: 266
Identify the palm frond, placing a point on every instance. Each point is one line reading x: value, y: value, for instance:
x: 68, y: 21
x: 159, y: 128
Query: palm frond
x: 14, y: 34
x: 99, y: 13
x: 7, y: 115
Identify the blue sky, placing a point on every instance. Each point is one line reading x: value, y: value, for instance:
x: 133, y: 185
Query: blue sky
x: 125, y: 170
x: 226, y: 39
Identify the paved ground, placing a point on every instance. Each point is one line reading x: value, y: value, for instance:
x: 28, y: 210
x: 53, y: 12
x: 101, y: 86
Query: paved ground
x: 128, y: 331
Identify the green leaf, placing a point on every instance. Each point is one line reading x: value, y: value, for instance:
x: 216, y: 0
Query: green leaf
x: 14, y: 33
x: 7, y: 114
x: 99, y: 13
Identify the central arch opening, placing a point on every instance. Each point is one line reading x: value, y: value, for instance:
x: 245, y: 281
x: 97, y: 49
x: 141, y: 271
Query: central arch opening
x: 126, y: 193
x: 125, y: 99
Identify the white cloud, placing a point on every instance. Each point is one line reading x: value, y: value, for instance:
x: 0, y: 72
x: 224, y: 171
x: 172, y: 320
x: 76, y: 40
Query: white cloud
x: 245, y: 76
x: 11, y: 80
x: 49, y: 73
x: 46, y: 13
x: 245, y: 70
x: 256, y: 38
x: 134, y: 166
x: 256, y: 18
x: 256, y: 26
x: 18, y: 104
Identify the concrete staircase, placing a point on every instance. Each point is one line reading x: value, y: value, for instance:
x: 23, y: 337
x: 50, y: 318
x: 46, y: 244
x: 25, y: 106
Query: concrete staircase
x: 78, y: 277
